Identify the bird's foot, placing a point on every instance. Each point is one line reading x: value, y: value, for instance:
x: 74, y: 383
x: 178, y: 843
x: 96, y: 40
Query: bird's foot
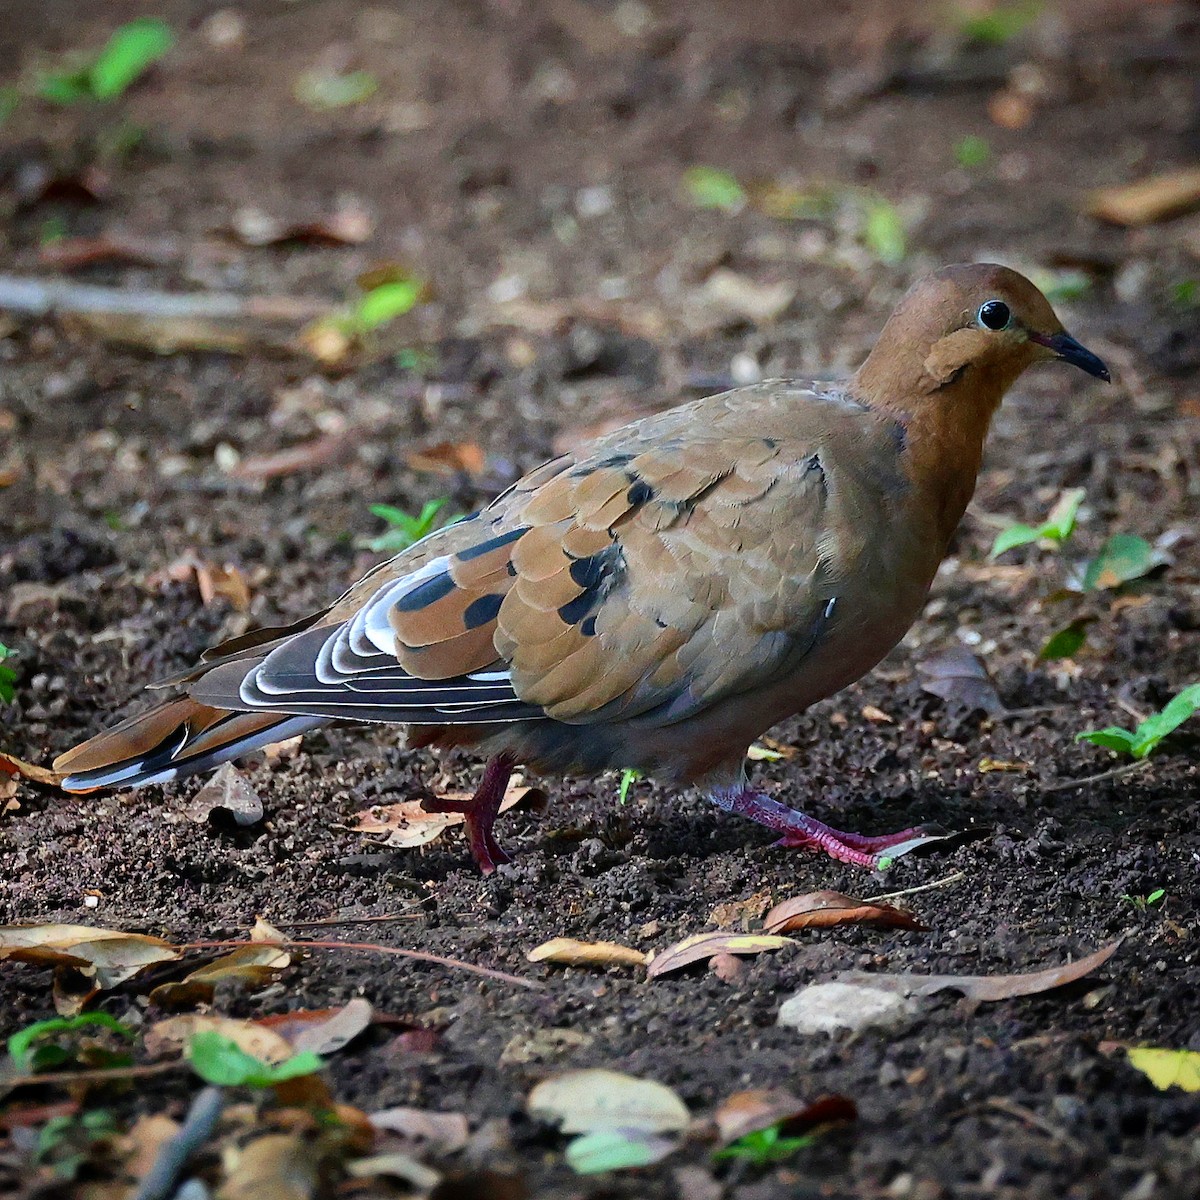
x: 479, y: 813
x: 801, y: 831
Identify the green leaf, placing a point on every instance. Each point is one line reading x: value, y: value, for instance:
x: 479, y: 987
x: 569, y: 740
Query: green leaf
x: 614, y: 1150
x: 1156, y: 896
x: 1066, y: 642
x: 8, y: 677
x: 709, y: 187
x: 221, y: 1061
x: 629, y: 777
x: 1000, y: 25
x: 1167, y: 1068
x: 763, y: 1147
x: 406, y: 529
x: 26, y: 1055
x: 972, y: 151
x: 329, y: 89
x: 130, y: 51
x: 1157, y: 726
x: 64, y: 87
x: 883, y: 231
x: 1012, y: 537
x: 1186, y: 294
x: 387, y: 302
x: 1124, y: 557
x: 1111, y: 738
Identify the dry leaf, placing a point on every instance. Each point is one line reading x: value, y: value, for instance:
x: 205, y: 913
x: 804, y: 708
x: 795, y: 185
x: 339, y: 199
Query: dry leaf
x: 408, y: 824
x: 143, y: 1144
x: 227, y: 582
x: 593, y: 1099
x: 984, y: 987
x: 448, y: 458
x: 703, y: 946
x: 876, y: 715
x: 107, y: 956
x: 230, y: 791
x: 254, y: 1038
x: 960, y: 679
x: 446, y: 1132
x: 338, y: 1029
x: 542, y: 1045
x: 279, y: 1166
x: 1149, y: 200
x: 1167, y: 1068
x: 740, y: 912
x: 72, y: 253
x: 397, y: 1166
x: 748, y: 1112
x: 349, y: 224
x: 251, y: 966
x: 319, y: 452
x: 572, y: 953
x: 821, y: 910
x: 988, y: 765
x: 10, y: 765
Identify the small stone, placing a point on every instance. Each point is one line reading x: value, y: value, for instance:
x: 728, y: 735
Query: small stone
x: 832, y: 1007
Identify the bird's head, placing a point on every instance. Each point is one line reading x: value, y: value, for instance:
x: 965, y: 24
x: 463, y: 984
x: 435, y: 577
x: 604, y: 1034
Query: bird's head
x: 962, y: 335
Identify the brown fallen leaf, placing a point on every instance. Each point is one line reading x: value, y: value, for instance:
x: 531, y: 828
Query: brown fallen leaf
x: 960, y: 679
x: 318, y: 452
x: 107, y: 956
x: 227, y: 791
x: 1167, y: 195
x: 542, y: 1045
x: 740, y: 912
x: 984, y: 987
x: 702, y: 946
x: 448, y: 458
x: 876, y: 715
x: 591, y: 1099
x: 571, y: 953
x: 226, y: 582
x: 251, y: 966
x: 750, y: 1111
x: 445, y: 1131
x: 11, y: 765
x: 407, y: 824
x: 350, y: 224
x: 822, y: 910
x: 175, y: 1033
x: 277, y: 1166
x: 335, y: 1029
x: 73, y: 253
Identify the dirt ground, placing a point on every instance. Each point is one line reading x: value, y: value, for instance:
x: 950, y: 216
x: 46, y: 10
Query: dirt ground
x: 526, y: 158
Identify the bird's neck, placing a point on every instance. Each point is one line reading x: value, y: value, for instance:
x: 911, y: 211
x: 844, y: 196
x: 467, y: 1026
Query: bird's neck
x: 945, y: 425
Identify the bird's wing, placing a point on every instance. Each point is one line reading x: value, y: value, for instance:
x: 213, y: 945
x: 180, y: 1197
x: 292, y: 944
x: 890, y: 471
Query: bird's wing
x: 680, y: 561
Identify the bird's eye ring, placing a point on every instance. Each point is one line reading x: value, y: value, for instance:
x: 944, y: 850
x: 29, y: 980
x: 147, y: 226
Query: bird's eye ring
x: 994, y: 314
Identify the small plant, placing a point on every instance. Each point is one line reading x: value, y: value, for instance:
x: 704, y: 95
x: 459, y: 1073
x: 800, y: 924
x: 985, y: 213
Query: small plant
x: 129, y: 53
x: 331, y: 338
x: 1144, y: 740
x: 1186, y: 294
x: 629, y: 777
x: 67, y: 1143
x: 1057, y: 527
x: 40, y: 1047
x: 764, y: 1147
x: 709, y: 187
x: 973, y: 151
x: 221, y: 1061
x: 406, y: 530
x: 8, y: 676
x: 1002, y: 24
x: 1145, y: 902
x: 883, y: 230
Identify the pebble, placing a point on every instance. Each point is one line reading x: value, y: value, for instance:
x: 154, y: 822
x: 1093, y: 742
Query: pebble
x: 832, y: 1007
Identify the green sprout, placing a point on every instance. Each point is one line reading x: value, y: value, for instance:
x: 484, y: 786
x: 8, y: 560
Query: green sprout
x: 709, y: 187
x: 1122, y: 559
x: 1057, y: 527
x: 973, y: 151
x: 38, y: 1047
x: 8, y: 677
x: 629, y: 777
x: 1186, y: 293
x: 764, y: 1147
x: 221, y: 1061
x: 405, y: 529
x: 66, y: 1143
x: 1002, y: 24
x: 129, y: 53
x: 883, y: 230
x: 1144, y: 740
x: 1143, y: 902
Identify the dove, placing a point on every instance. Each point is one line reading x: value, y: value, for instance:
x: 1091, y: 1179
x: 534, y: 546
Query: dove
x: 655, y: 600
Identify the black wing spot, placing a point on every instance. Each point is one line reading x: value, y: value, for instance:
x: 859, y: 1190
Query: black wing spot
x: 588, y: 572
x: 770, y: 443
x: 597, y: 574
x: 424, y: 594
x: 588, y: 627
x: 640, y: 493
x: 492, y: 543
x: 481, y: 611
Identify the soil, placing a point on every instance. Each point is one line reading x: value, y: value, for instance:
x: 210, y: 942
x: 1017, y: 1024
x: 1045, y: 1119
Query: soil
x: 527, y: 160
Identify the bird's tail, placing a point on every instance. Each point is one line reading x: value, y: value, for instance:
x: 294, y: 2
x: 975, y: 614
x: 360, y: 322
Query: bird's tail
x: 176, y: 738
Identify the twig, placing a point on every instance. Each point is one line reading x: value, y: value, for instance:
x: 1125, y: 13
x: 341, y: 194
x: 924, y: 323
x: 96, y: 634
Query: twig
x: 1116, y: 773
x: 96, y: 1075
x: 403, y: 915
x: 159, y: 1182
x: 1036, y: 1120
x: 923, y: 887
x: 42, y: 296
x: 374, y: 948
x: 1032, y: 711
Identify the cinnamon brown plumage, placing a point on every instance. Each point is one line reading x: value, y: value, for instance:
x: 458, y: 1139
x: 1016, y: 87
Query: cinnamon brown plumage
x: 658, y: 599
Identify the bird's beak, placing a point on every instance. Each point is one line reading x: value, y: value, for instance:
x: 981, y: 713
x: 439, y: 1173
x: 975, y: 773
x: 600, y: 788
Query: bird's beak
x: 1067, y: 349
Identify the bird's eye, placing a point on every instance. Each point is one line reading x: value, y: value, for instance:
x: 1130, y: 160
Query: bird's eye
x: 994, y: 314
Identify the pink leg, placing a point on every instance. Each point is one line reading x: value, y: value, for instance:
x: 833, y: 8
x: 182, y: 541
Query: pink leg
x: 802, y: 831
x: 480, y: 812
